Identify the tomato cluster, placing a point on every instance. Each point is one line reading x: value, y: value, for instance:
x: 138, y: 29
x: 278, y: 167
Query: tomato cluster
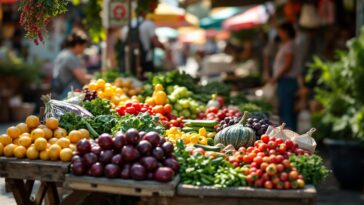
x: 267, y: 164
x: 134, y: 109
x: 214, y: 113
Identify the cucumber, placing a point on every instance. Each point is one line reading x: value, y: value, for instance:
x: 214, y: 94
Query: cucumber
x: 195, y: 129
x: 200, y: 123
x: 208, y: 148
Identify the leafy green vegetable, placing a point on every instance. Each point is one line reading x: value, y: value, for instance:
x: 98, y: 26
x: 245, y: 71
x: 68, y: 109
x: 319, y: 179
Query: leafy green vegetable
x: 98, y: 106
x: 71, y: 121
x: 104, y: 123
x: 109, y: 75
x: 311, y: 167
x: 143, y: 121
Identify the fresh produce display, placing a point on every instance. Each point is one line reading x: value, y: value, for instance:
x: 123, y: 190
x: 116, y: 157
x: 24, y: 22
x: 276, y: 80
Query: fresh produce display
x: 196, y: 125
x: 227, y: 122
x: 259, y: 126
x: 134, y: 155
x: 201, y: 137
x: 159, y: 97
x: 33, y: 140
x: 127, y: 86
x: 134, y: 109
x: 214, y: 113
x: 98, y: 106
x: 267, y: 164
x: 142, y: 121
x: 89, y: 95
x: 237, y: 135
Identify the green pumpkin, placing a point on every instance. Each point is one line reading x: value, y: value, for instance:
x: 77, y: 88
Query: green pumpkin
x: 236, y: 135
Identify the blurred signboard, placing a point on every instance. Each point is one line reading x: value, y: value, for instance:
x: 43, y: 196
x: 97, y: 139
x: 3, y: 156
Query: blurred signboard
x: 115, y: 13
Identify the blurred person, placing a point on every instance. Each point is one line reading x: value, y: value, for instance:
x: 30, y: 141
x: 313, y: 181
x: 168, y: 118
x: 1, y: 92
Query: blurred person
x: 144, y: 35
x: 269, y: 52
x: 285, y: 75
x: 69, y: 70
x: 211, y: 47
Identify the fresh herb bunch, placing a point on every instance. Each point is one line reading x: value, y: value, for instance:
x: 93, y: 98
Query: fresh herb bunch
x: 142, y: 121
x: 93, y: 21
x: 311, y: 167
x: 98, y: 107
x: 36, y: 14
x: 200, y: 170
x: 104, y: 123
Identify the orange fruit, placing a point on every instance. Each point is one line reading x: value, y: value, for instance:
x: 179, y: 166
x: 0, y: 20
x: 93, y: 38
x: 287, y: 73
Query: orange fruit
x: 9, y: 150
x: 92, y: 86
x: 73, y: 147
x: 25, y: 141
x: 32, y: 153
x: 100, y: 83
x: 150, y: 101
x: 41, y: 126
x: 1, y: 149
x: 66, y: 154
x: 54, y: 152
x: 59, y: 132
x: 40, y: 144
x: 23, y: 128
x: 16, y: 141
x: 37, y: 133
x: 75, y: 136
x: 63, y: 142
x: 160, y: 98
x: 20, y: 152
x: 53, y: 140
x: 48, y: 133
x: 5, y: 139
x: 84, y: 133
x: 44, y: 155
x: 32, y: 121
x: 52, y: 123
x: 13, y: 132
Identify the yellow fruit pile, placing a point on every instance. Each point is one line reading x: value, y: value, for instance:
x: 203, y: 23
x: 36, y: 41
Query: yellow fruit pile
x: 33, y: 140
x: 110, y: 92
x: 202, y: 137
x: 159, y: 96
x: 127, y: 86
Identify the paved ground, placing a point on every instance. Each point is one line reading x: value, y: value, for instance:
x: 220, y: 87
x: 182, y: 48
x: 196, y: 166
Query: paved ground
x: 328, y: 193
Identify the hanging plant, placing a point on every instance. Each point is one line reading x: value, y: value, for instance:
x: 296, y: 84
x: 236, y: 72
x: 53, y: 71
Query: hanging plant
x: 93, y: 21
x: 36, y: 14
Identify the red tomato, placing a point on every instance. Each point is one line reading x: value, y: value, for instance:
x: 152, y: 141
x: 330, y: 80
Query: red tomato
x: 128, y: 104
x: 258, y: 160
x: 286, y: 163
x: 283, y: 176
x: 258, y: 142
x: 272, y: 145
x: 214, y: 110
x: 198, y: 151
x: 300, y: 183
x: 280, y: 167
x: 264, y: 138
x: 280, y: 185
x: 266, y: 159
x: 268, y: 185
x: 259, y: 172
x: 247, y: 159
x: 279, y: 141
x: 272, y: 151
x: 264, y: 165
x: 242, y: 149
x: 262, y: 147
x: 130, y: 110
x: 282, y: 148
x: 294, y: 184
x: 144, y: 109
x: 293, y: 175
x: 299, y: 151
x: 250, y: 149
x: 271, y: 169
x: 273, y: 139
x: 258, y: 183
x: 245, y: 170
x: 279, y: 159
x: 301, y: 177
x: 287, y: 185
x: 249, y: 179
x: 272, y: 159
x: 167, y: 108
x: 254, y: 165
x: 275, y: 179
x: 265, y: 177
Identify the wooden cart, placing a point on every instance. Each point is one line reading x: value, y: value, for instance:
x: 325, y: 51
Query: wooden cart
x: 20, y: 176
x: 207, y: 195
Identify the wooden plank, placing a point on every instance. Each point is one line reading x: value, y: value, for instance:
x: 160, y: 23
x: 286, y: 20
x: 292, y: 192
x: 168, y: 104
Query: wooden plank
x: 29, y: 187
x: 52, y: 196
x: 41, y: 193
x: 177, y: 200
x: 53, y: 171
x: 189, y: 190
x: 120, y: 186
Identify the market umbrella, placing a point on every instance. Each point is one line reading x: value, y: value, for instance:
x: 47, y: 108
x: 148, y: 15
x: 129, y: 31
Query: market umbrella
x: 217, y: 16
x: 170, y: 16
x: 192, y: 35
x: 255, y: 16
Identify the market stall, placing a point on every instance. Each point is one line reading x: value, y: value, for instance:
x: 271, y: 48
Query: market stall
x: 172, y: 144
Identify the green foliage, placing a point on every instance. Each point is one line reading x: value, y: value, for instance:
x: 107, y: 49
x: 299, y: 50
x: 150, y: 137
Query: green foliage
x: 27, y: 73
x: 311, y: 167
x: 143, y: 121
x: 93, y: 21
x: 340, y: 92
x: 98, y: 107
